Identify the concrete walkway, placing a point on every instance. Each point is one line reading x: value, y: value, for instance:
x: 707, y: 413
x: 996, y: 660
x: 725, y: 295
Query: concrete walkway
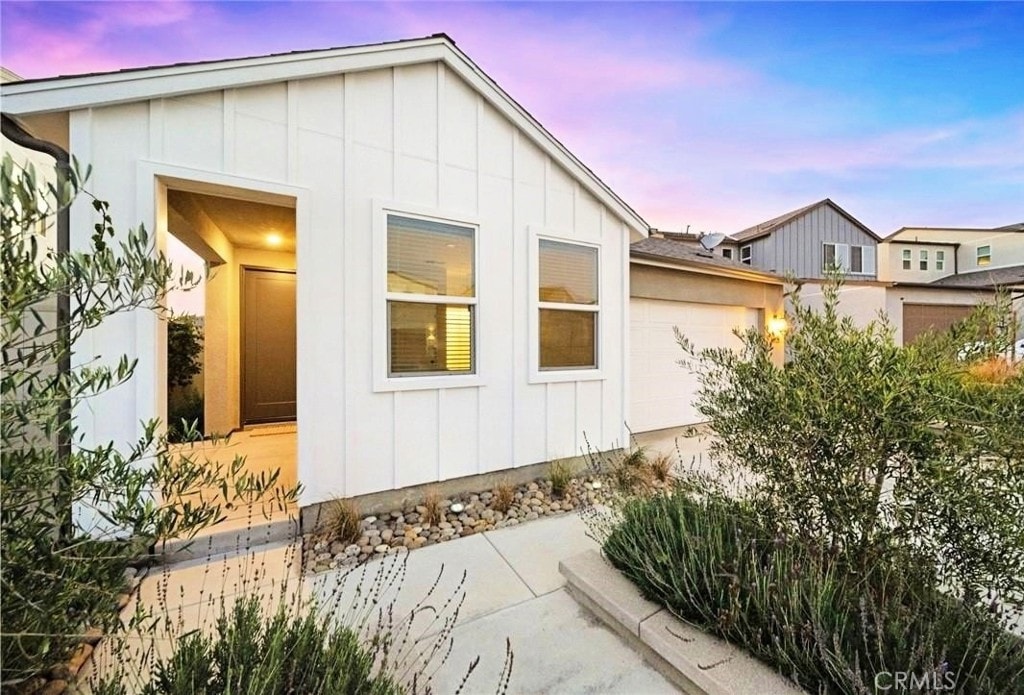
x: 512, y: 588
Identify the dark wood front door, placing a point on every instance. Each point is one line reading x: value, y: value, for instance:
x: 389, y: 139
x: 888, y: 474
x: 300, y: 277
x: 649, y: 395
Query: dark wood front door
x: 268, y: 345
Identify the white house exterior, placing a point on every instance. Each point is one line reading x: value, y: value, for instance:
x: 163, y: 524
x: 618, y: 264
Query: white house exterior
x: 461, y: 286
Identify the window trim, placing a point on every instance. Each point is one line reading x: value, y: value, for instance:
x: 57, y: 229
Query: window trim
x: 922, y: 260
x: 843, y: 255
x: 940, y: 260
x: 546, y: 376
x: 979, y: 255
x: 839, y: 263
x: 747, y: 254
x: 383, y: 379
x: 908, y: 259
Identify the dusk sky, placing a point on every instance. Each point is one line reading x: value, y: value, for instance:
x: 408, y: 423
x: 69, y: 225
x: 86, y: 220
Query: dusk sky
x: 712, y: 115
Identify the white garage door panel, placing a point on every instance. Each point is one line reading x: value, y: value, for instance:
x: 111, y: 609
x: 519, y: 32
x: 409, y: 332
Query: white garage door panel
x: 662, y: 391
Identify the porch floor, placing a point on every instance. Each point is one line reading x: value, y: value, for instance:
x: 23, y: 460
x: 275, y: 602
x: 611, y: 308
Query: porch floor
x: 265, y: 449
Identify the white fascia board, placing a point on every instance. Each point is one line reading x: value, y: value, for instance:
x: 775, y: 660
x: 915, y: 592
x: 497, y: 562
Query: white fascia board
x: 72, y: 93
x: 705, y: 269
x: 507, y: 106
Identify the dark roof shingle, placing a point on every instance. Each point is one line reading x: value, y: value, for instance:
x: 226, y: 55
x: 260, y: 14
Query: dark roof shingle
x: 766, y: 228
x: 671, y: 250
x: 1011, y: 276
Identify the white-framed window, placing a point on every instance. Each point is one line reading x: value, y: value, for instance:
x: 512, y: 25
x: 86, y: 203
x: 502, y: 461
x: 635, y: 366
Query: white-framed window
x: 908, y: 259
x: 430, y: 297
x: 940, y: 260
x: 568, y: 305
x: 830, y: 255
x: 923, y: 259
x: 745, y: 255
x: 727, y: 253
x: 847, y: 258
x: 984, y: 255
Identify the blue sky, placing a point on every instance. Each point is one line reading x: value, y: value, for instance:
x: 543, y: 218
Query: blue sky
x: 713, y: 115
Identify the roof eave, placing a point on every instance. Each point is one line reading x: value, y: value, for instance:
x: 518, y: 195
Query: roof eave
x: 107, y: 89
x: 73, y: 93
x: 656, y: 260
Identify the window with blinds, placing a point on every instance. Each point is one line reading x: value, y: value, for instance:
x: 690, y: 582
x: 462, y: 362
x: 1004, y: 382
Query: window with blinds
x: 431, y: 297
x: 568, y: 304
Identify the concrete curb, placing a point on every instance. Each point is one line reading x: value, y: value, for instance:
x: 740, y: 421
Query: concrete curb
x: 257, y: 534
x: 694, y: 661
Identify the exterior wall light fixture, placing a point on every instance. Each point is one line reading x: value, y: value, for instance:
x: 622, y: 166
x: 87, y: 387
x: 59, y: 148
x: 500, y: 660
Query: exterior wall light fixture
x: 777, y: 326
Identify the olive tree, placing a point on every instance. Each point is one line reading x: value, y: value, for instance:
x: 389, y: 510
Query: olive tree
x: 870, y: 448
x: 60, y: 572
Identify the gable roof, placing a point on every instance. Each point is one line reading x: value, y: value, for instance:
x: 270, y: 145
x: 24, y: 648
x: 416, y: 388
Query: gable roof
x: 765, y: 228
x: 68, y: 93
x: 685, y: 254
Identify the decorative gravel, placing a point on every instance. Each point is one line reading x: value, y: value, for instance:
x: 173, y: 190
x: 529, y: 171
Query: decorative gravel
x: 464, y: 515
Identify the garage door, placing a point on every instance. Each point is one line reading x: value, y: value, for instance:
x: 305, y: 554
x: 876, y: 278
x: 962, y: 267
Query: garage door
x: 662, y: 391
x: 919, y: 318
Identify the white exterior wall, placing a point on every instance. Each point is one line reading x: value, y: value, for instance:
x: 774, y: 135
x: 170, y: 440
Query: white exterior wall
x: 339, y: 145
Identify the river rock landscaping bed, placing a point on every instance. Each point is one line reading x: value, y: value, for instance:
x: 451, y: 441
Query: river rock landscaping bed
x: 458, y: 516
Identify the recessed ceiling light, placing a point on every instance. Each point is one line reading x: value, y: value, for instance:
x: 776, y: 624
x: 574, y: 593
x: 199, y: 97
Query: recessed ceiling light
x: 273, y: 239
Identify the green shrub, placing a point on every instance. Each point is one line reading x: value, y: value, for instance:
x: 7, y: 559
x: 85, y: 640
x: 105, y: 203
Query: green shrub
x: 867, y: 516
x: 260, y: 637
x: 185, y: 417
x: 60, y: 573
x: 251, y: 653
x: 184, y: 346
x: 805, y: 609
x: 863, y: 444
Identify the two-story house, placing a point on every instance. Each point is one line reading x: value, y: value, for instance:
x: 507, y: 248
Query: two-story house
x: 920, y: 278
x: 971, y: 260
x: 809, y: 241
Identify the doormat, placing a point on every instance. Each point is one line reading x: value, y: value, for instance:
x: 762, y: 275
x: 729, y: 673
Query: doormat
x: 267, y: 430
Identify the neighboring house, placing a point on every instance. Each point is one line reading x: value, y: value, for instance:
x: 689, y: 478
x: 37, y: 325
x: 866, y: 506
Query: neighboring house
x: 728, y: 248
x: 677, y: 283
x: 404, y: 260
x: 810, y: 241
x: 920, y: 278
x: 943, y: 272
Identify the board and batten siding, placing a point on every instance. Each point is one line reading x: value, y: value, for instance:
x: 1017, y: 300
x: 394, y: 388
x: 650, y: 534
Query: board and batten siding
x: 797, y: 246
x: 414, y: 135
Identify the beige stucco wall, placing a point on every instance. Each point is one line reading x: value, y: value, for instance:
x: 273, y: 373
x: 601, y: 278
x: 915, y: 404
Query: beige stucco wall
x: 896, y: 297
x: 682, y: 285
x: 892, y: 267
x: 667, y: 283
x: 863, y: 302
x: 1007, y: 247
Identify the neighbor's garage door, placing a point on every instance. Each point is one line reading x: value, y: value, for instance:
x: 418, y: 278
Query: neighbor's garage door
x: 662, y: 391
x: 919, y: 318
